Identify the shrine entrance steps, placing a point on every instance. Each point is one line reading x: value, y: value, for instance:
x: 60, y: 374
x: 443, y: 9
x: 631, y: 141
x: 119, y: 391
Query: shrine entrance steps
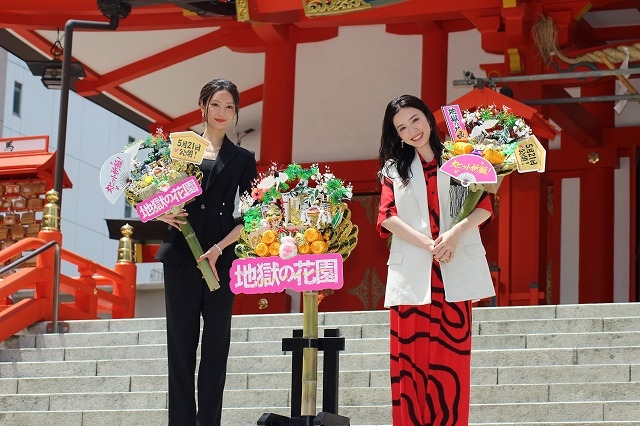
x: 559, y: 365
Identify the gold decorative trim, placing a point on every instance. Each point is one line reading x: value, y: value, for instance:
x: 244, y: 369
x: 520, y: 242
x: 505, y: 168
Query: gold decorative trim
x: 242, y: 10
x: 370, y: 204
x: 515, y: 64
x: 362, y: 290
x: 378, y: 288
x: 331, y: 7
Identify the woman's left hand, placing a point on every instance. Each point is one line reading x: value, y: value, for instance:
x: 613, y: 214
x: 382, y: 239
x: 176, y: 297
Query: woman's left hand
x: 212, y: 256
x: 445, y: 245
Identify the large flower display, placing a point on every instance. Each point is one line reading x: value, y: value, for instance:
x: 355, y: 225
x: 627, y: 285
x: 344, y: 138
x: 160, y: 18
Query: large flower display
x: 295, y: 211
x: 502, y: 139
x: 166, y: 179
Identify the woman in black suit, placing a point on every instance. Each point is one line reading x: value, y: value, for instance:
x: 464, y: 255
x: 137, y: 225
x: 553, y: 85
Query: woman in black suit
x: 227, y: 170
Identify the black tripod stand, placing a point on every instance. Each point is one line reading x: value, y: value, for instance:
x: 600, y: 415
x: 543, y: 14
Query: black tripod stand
x: 302, y: 368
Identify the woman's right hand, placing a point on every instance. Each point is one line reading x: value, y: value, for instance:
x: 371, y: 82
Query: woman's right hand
x: 173, y: 219
x: 428, y: 243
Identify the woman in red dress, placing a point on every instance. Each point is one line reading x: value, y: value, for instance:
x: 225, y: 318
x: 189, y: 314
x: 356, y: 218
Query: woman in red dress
x: 436, y: 270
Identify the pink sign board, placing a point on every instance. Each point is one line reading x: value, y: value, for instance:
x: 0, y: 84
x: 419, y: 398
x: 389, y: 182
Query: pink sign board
x: 273, y: 274
x: 470, y: 168
x: 162, y: 202
x: 455, y: 124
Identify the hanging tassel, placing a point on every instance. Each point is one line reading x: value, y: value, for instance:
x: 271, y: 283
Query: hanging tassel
x: 457, y: 195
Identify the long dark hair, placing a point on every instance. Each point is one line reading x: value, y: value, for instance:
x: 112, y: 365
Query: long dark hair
x: 216, y: 85
x: 391, y: 147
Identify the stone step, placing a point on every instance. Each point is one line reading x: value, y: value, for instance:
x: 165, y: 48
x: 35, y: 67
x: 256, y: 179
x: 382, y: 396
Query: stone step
x: 235, y: 417
x: 88, y: 401
x: 506, y: 333
x: 557, y: 374
x: 50, y: 342
x: 602, y: 423
x: 480, y: 376
x: 559, y: 325
x: 590, y: 413
x: 137, y: 417
x: 607, y: 312
x: 543, y: 354
x: 544, y: 365
x: 150, y: 359
x: 587, y: 412
x: 375, y: 415
x: 112, y: 392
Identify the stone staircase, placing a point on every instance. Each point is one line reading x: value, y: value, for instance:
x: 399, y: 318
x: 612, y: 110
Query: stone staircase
x: 545, y: 365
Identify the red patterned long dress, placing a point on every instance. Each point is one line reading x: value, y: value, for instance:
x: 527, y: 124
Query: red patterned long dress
x: 430, y: 345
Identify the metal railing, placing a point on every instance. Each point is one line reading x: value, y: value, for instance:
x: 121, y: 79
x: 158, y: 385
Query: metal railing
x: 56, y: 276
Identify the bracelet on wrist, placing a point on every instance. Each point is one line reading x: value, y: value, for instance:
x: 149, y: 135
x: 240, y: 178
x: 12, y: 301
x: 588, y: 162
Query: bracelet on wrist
x: 218, y: 247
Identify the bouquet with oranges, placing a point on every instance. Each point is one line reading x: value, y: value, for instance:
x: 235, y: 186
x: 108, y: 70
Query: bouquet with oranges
x: 503, y: 140
x: 296, y: 211
x: 492, y: 133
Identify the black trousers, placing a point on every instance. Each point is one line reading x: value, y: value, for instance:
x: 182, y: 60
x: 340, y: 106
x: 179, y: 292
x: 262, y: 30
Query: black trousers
x: 187, y: 297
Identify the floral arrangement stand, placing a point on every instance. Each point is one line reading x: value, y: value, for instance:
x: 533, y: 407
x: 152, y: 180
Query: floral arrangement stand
x: 297, y: 234
x: 164, y: 181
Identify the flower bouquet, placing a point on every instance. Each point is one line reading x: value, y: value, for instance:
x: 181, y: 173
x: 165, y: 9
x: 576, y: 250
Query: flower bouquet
x: 310, y: 218
x: 163, y: 182
x: 488, y: 144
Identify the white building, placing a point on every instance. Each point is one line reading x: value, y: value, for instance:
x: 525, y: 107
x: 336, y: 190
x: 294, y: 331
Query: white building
x: 93, y: 135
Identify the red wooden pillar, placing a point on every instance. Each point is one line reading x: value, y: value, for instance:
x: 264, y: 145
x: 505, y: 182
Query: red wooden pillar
x: 279, y: 90
x: 503, y: 216
x: 596, y: 211
x: 526, y: 224
x: 554, y: 230
x: 596, y: 244
x: 634, y: 244
x: 435, y: 46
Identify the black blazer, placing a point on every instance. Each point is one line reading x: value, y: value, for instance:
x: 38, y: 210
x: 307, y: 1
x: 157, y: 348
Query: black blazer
x: 213, y: 214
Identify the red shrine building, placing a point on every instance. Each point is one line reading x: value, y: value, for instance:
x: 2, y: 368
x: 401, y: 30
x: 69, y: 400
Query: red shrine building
x: 315, y: 76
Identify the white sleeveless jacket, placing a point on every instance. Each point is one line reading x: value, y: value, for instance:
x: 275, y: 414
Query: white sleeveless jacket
x: 466, y: 277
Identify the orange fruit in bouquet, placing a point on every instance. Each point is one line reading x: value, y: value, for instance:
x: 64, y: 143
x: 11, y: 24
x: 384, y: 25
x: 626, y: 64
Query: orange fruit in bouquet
x: 495, y: 157
x: 460, y: 148
x: 304, y: 248
x: 269, y: 236
x: 319, y: 247
x: 262, y: 249
x: 274, y: 248
x: 312, y: 234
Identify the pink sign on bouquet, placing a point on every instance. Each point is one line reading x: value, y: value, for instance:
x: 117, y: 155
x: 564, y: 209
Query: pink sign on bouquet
x: 455, y: 122
x: 162, y: 201
x: 273, y: 274
x: 470, y: 168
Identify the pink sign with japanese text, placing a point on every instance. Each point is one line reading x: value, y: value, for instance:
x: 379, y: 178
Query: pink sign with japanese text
x: 174, y: 195
x: 470, y: 168
x: 312, y: 272
x: 455, y: 122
